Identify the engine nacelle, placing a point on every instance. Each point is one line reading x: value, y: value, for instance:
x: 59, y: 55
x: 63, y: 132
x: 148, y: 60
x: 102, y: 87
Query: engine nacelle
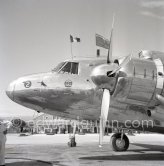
x: 139, y: 82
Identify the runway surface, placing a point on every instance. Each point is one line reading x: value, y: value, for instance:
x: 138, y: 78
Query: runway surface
x: 46, y: 150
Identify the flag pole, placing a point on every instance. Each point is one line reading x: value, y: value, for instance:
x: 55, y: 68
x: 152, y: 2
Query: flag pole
x: 71, y: 40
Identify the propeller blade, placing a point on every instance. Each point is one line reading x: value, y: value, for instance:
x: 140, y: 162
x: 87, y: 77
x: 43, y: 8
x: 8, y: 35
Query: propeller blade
x: 109, y: 57
x: 125, y: 61
x: 104, y: 114
x: 160, y: 99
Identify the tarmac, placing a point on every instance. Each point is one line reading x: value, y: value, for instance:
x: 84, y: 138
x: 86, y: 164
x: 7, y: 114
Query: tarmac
x: 52, y: 150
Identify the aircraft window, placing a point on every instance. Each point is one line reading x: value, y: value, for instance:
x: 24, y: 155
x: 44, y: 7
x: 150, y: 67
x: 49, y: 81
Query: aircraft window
x: 58, y: 67
x: 74, y: 69
x: 66, y: 68
x: 70, y: 67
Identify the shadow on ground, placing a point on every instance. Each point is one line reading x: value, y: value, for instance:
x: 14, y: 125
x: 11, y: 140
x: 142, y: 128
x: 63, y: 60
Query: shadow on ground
x: 143, y: 152
x: 147, y: 147
x: 26, y: 162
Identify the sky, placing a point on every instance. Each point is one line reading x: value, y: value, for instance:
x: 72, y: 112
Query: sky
x: 34, y: 35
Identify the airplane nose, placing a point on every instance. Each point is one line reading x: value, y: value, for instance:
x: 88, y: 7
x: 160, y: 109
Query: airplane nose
x: 10, y: 90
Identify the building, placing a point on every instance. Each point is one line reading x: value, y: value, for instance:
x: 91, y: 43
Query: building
x: 46, y: 123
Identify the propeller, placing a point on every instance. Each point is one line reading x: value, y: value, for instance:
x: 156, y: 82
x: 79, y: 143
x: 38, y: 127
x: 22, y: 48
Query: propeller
x: 125, y: 61
x: 104, y: 77
x: 104, y: 114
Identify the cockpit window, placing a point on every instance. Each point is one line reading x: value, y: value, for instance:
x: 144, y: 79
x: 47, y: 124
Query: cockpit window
x: 70, y: 67
x: 58, y: 67
x: 66, y: 68
x: 74, y: 68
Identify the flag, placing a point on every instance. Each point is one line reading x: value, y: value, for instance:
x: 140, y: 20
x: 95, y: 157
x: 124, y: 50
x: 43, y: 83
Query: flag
x: 74, y: 39
x: 102, y: 42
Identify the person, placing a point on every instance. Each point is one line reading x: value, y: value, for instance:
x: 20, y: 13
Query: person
x: 3, y: 132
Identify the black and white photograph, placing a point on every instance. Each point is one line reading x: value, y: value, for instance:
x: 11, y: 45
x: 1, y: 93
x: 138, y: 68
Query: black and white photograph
x: 81, y: 82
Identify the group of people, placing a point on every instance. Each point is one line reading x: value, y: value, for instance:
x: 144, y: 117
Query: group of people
x: 3, y: 132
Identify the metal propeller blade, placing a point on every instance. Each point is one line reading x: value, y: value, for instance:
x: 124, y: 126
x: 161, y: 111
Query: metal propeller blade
x: 125, y: 61
x: 104, y: 114
x: 105, y: 43
x: 109, y: 57
x: 160, y: 99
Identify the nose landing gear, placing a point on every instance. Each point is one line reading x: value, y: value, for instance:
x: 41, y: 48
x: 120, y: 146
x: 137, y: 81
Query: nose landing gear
x: 72, y: 140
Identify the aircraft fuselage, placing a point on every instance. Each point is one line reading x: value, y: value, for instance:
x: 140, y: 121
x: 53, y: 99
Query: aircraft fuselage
x: 72, y: 94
